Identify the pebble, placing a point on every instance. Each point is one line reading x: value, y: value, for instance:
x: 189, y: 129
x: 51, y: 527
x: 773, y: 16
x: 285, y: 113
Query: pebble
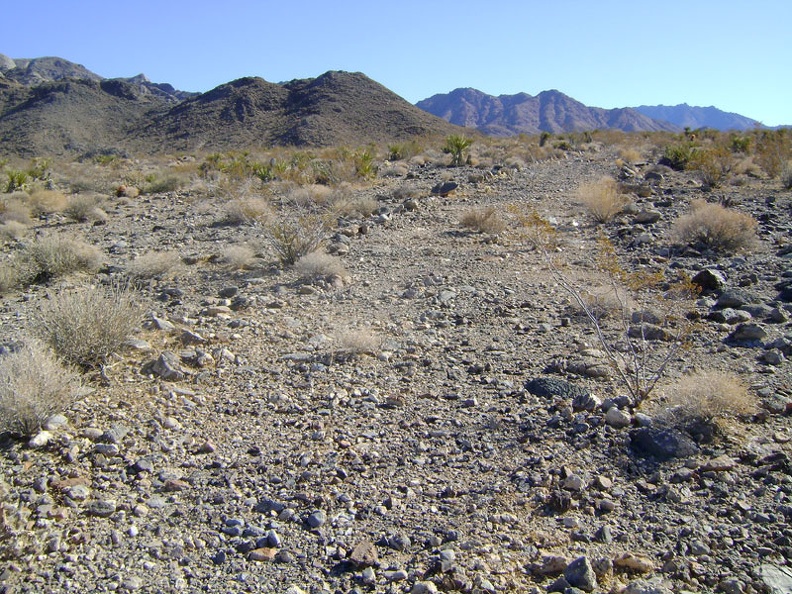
x: 317, y: 519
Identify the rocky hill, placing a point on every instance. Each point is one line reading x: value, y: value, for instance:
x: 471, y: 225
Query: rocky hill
x: 686, y: 116
x: 53, y: 106
x: 337, y: 108
x: 549, y: 111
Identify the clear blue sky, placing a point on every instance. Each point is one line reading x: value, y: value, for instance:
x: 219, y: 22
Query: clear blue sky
x: 734, y: 55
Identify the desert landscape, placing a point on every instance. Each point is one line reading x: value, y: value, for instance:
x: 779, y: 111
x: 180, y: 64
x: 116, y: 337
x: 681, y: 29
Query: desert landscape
x: 307, y: 337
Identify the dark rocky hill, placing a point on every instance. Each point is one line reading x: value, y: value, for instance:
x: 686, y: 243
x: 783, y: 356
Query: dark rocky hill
x: 549, y: 111
x: 335, y: 108
x: 686, y: 116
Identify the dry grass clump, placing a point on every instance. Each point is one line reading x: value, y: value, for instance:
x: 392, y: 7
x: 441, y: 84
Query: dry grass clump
x: 84, y: 207
x: 239, y: 257
x: 630, y: 154
x: 354, y: 342
x: 154, y: 265
x: 601, y: 199
x: 54, y: 256
x: 716, y: 227
x: 12, y: 230
x: 353, y: 206
x: 320, y: 265
x: 43, y: 202
x: 33, y: 387
x: 87, y: 326
x: 15, y: 209
x: 250, y: 210
x: 483, y: 220
x: 786, y: 175
x: 310, y: 197
x: 705, y: 396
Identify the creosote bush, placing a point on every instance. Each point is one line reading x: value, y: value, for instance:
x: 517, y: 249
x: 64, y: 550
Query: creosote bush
x: 87, y: 326
x: 33, y: 387
x: 601, y: 199
x: 715, y: 227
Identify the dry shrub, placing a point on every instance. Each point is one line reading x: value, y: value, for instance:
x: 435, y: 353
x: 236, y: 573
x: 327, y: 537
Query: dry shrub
x: 319, y: 265
x: 353, y: 207
x: 154, y: 265
x: 630, y: 154
x: 54, y: 256
x: 33, y: 387
x: 708, y: 395
x: 44, y: 202
x: 248, y: 211
x: 602, y: 199
x: 786, y: 175
x: 310, y: 197
x: 483, y: 220
x: 10, y: 276
x: 358, y: 341
x: 239, y: 257
x: 84, y: 207
x: 294, y: 235
x: 12, y: 230
x: 712, y: 164
x: 87, y: 326
x: 14, y: 209
x: 716, y: 227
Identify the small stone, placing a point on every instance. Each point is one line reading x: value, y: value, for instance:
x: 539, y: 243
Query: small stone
x: 207, y: 448
x: 748, y: 334
x: 103, y: 508
x: 107, y: 449
x: 131, y: 583
x: 317, y: 519
x: 662, y: 443
x: 39, y: 440
x: 573, y: 483
x: 709, y: 280
x: 617, y: 419
x: 720, y: 464
x: 631, y: 562
x: 176, y: 485
x: 365, y: 554
x: 580, y: 574
x: 263, y: 554
x: 424, y: 588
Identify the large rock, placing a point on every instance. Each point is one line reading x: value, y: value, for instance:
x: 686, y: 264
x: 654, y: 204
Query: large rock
x: 663, y: 443
x: 580, y: 574
x: 549, y: 387
x: 777, y: 579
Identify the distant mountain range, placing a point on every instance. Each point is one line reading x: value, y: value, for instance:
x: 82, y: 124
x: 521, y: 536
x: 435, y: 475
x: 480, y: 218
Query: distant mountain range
x: 52, y: 106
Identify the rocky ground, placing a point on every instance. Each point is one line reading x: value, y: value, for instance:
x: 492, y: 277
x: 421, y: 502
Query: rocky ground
x: 255, y: 441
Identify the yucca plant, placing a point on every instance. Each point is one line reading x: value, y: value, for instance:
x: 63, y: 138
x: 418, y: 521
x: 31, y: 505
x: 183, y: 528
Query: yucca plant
x: 456, y: 145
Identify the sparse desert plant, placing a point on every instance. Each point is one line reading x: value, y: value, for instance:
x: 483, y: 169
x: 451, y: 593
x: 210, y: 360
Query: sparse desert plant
x: 249, y: 210
x: 34, y: 385
x: 483, y: 220
x: 353, y: 342
x: 786, y: 175
x: 712, y: 164
x: 365, y: 167
x: 456, y: 145
x: 639, y: 345
x: 629, y: 154
x: 773, y: 150
x: 84, y: 207
x: 716, y: 227
x: 677, y: 156
x: 15, y: 209
x: 698, y: 400
x: 85, y: 327
x: 160, y: 184
x: 319, y: 265
x: 294, y: 235
x: 345, y: 205
x: 44, y: 202
x: 239, y: 257
x: 16, y: 180
x: 154, y: 264
x: 601, y: 199
x: 12, y: 230
x: 55, y: 255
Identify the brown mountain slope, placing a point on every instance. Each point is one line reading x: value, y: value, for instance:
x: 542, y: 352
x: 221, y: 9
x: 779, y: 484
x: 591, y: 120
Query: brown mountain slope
x: 71, y: 116
x: 549, y: 111
x: 336, y: 108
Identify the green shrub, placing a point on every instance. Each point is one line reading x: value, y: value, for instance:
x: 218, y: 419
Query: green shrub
x: 456, y: 145
x: 87, y: 326
x: 294, y: 236
x: 712, y: 164
x: 17, y: 180
x: 677, y: 156
x: 33, y: 387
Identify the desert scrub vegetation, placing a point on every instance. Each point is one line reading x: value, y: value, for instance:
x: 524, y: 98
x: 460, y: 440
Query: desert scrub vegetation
x: 698, y: 400
x: 456, y: 145
x: 483, y: 220
x: 773, y: 150
x: 320, y: 265
x: 602, y: 199
x: 712, y: 164
x: 54, y: 256
x: 44, y: 202
x: 247, y: 210
x: 87, y: 326
x: 154, y: 265
x: 716, y: 227
x: 239, y: 257
x: 295, y: 235
x: 640, y: 319
x: 84, y: 207
x: 34, y: 386
x: 351, y: 343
